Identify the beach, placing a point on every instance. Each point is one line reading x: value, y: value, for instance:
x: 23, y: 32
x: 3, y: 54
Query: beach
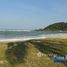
x: 32, y: 51
x: 61, y: 36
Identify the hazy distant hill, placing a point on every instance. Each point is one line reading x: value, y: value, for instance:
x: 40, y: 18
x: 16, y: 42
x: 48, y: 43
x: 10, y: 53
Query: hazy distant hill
x: 61, y: 26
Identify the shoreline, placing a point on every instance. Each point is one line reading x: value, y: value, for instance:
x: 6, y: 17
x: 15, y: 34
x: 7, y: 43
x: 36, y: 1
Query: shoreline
x: 60, y: 36
x: 20, y: 39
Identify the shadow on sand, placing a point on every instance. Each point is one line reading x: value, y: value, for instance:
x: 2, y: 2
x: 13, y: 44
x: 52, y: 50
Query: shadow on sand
x: 45, y: 48
x: 16, y: 52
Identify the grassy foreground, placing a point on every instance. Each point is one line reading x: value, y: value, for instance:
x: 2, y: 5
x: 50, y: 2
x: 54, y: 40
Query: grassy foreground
x: 32, y: 53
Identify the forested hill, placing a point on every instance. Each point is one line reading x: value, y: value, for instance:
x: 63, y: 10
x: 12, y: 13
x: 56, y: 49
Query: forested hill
x: 61, y: 26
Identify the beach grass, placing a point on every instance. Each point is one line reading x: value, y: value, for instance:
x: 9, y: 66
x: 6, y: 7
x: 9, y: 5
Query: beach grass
x: 32, y: 53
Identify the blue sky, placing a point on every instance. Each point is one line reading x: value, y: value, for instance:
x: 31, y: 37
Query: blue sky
x: 31, y: 14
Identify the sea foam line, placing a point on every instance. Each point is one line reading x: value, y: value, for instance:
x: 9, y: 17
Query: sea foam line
x: 35, y: 37
x: 20, y: 39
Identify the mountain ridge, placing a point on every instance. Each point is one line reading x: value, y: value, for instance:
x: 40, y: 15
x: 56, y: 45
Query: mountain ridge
x: 59, y: 26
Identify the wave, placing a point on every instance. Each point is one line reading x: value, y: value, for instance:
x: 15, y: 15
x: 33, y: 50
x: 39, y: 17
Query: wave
x: 17, y: 39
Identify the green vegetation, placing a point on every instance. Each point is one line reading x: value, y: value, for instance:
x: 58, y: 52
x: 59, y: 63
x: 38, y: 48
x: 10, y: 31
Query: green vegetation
x: 61, y: 26
x: 27, y: 54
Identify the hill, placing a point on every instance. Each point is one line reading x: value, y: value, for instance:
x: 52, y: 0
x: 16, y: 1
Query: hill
x: 60, y: 26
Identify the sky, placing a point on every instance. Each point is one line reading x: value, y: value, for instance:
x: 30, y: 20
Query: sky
x: 31, y: 14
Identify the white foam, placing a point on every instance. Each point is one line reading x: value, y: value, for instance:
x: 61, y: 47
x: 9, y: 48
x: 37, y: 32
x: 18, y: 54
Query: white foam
x: 33, y: 37
x: 20, y: 39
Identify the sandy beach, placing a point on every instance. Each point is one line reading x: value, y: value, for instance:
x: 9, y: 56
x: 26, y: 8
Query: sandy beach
x: 61, y: 36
